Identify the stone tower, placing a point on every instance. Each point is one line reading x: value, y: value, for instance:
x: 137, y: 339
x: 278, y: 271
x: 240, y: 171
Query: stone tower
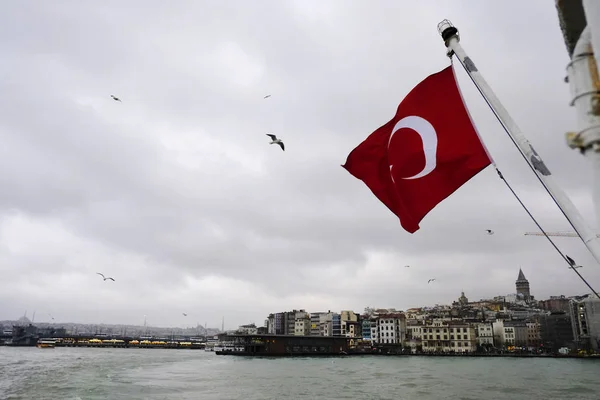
x: 462, y: 300
x: 523, y: 286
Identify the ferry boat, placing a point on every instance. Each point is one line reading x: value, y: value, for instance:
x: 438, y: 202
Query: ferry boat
x: 46, y: 344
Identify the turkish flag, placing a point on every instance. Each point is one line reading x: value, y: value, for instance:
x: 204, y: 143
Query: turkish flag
x: 422, y: 155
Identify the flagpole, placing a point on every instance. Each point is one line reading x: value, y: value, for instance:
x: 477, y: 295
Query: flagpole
x: 452, y: 41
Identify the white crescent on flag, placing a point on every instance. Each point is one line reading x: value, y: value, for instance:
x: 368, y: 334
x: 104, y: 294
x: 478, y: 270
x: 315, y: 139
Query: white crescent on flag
x: 429, y: 137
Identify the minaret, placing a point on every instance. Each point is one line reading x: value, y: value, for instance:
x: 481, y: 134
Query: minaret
x: 523, y: 285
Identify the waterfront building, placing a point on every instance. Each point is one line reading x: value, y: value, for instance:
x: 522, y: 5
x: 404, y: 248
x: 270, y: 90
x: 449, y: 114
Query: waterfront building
x: 249, y: 329
x: 510, y: 333
x: 556, y: 303
x: 585, y: 321
x: 336, y: 325
x: 388, y: 328
x: 301, y: 323
x: 556, y: 330
x: 317, y: 320
x: 414, y: 333
x: 533, y: 334
x: 366, y: 327
x: 485, y: 334
x: 262, y: 330
x: 279, y: 324
x: 448, y: 336
x: 350, y: 325
x: 283, y: 323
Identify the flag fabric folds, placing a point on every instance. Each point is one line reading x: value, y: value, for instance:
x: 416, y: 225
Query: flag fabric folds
x: 428, y: 150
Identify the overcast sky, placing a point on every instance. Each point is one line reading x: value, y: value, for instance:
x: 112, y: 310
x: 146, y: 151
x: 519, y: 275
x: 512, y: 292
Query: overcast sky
x: 177, y: 194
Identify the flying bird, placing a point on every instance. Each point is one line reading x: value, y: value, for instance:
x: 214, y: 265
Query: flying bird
x: 184, y: 314
x: 276, y: 141
x: 489, y: 231
x: 570, y: 260
x: 267, y: 96
x: 431, y: 280
x: 407, y: 266
x: 104, y: 277
x: 115, y: 98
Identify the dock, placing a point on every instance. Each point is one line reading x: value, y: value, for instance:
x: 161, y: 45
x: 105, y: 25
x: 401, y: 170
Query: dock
x: 283, y: 345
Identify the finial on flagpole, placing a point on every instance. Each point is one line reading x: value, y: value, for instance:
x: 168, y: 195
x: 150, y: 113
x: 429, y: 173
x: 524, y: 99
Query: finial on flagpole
x: 448, y: 31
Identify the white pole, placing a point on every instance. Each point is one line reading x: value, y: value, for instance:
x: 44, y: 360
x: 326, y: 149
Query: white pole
x: 450, y: 35
x: 585, y: 87
x: 584, y: 83
x: 592, y: 15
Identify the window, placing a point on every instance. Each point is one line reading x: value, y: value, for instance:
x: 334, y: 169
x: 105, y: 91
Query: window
x: 458, y: 337
x: 466, y: 344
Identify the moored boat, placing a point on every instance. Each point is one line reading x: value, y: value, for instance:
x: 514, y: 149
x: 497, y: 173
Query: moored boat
x: 46, y: 344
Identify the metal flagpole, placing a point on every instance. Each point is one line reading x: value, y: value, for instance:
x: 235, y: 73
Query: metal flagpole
x: 451, y: 38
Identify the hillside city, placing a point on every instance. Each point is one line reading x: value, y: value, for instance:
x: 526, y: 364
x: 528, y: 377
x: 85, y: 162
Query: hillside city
x: 516, y: 322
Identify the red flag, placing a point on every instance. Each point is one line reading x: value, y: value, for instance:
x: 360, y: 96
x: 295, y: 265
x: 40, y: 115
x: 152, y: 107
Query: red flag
x: 412, y: 170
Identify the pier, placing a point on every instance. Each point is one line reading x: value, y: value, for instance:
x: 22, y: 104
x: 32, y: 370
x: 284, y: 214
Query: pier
x: 283, y: 345
x: 29, y: 336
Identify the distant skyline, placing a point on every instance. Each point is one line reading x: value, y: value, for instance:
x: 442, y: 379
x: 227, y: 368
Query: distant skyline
x: 261, y: 323
x: 104, y: 325
x: 176, y: 193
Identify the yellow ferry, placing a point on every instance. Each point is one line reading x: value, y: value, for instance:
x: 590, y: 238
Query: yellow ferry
x: 46, y: 344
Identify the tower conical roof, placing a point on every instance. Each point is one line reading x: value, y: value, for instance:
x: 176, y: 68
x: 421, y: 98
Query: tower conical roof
x: 521, y: 276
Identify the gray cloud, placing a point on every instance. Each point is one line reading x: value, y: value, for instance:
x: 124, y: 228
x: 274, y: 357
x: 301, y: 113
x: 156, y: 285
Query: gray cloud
x: 177, y: 193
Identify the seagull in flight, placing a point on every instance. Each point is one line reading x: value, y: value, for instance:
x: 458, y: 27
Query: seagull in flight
x: 276, y: 141
x: 104, y: 277
x: 115, y: 98
x: 184, y: 314
x: 407, y: 266
x: 431, y: 280
x: 267, y: 96
x: 489, y: 231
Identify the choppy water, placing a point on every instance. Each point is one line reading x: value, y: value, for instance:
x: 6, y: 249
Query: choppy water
x: 108, y: 374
